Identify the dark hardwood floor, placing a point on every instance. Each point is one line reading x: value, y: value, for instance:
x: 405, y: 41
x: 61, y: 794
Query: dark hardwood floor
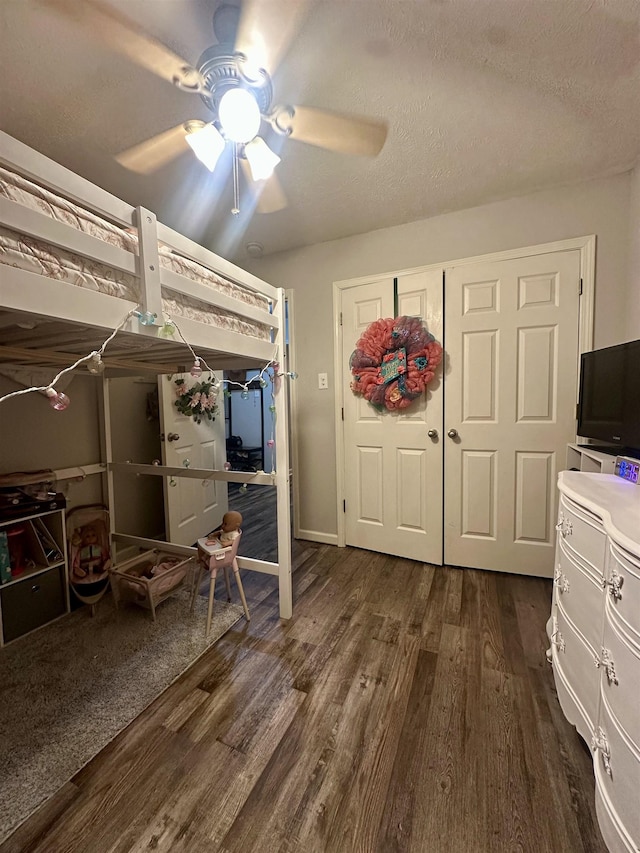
x: 258, y: 509
x: 403, y: 708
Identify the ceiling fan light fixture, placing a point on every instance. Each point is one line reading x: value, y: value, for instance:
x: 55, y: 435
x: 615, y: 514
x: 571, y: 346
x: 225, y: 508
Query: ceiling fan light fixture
x: 262, y: 160
x: 206, y: 142
x: 239, y: 114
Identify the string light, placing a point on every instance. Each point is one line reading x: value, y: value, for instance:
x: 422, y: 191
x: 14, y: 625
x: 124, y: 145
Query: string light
x: 146, y: 317
x: 223, y: 387
x: 96, y: 365
x: 58, y: 400
x: 168, y: 329
x: 219, y: 383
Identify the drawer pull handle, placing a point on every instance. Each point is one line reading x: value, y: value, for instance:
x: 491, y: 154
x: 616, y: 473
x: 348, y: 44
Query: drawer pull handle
x: 558, y: 640
x: 600, y: 744
x: 35, y: 587
x: 607, y: 662
x: 561, y: 581
x: 564, y: 527
x: 615, y: 583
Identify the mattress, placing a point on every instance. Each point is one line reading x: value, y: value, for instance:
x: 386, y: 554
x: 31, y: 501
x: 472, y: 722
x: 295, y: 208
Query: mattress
x: 37, y: 256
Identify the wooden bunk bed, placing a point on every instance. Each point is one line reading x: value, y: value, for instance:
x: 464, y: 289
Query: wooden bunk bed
x: 76, y: 263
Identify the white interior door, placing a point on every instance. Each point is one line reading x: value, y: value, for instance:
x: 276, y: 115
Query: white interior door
x: 192, y: 507
x: 511, y: 338
x: 393, y: 470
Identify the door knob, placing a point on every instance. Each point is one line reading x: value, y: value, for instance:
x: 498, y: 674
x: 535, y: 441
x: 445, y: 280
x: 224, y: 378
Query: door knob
x: 173, y: 436
x: 432, y: 433
x: 453, y: 433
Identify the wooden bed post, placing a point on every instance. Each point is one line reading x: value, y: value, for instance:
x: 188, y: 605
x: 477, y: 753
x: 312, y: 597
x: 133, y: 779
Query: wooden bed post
x: 106, y: 453
x: 150, y: 298
x: 282, y: 468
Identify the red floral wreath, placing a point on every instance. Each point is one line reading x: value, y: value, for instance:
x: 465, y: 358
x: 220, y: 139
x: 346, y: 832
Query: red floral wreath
x: 393, y: 362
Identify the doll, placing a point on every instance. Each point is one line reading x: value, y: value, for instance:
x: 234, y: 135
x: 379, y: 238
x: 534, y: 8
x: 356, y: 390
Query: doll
x: 91, y: 560
x: 229, y: 530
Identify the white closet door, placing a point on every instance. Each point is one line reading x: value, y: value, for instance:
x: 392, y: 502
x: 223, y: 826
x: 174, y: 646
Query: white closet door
x: 393, y: 470
x: 192, y: 507
x: 511, y: 337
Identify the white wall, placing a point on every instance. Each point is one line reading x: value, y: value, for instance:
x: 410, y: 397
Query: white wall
x: 33, y: 436
x: 139, y: 501
x: 597, y: 207
x: 633, y: 304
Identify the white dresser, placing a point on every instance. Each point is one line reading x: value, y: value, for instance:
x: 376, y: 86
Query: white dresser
x: 595, y: 639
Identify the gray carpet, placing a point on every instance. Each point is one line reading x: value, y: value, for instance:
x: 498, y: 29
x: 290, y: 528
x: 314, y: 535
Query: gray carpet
x: 69, y: 688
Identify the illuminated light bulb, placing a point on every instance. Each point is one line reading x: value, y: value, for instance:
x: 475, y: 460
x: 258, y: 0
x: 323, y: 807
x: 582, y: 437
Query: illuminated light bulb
x: 145, y: 317
x: 262, y: 160
x: 292, y: 374
x: 96, y: 365
x: 271, y: 443
x: 263, y: 382
x: 196, y: 370
x: 227, y: 466
x: 57, y: 399
x: 272, y: 409
x: 243, y: 489
x: 207, y: 144
x: 239, y: 115
x: 245, y: 394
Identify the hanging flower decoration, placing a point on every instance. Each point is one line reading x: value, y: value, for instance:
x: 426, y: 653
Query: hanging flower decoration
x: 198, y: 400
x: 393, y: 362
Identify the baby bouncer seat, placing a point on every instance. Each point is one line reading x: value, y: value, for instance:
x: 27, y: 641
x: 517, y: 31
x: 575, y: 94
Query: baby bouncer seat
x: 89, y: 552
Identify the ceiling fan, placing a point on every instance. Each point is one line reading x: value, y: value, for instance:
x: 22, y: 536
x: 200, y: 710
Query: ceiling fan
x: 232, y: 79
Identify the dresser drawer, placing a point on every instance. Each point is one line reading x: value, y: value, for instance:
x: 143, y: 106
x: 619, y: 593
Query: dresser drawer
x: 579, y: 588
x: 620, y: 676
x: 576, y: 660
x: 616, y: 763
x: 623, y: 587
x: 582, y: 532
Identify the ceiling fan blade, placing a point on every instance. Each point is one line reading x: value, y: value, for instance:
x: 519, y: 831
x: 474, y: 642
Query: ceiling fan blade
x: 270, y: 194
x: 344, y: 134
x: 129, y: 39
x: 272, y: 197
x: 266, y: 29
x: 154, y: 153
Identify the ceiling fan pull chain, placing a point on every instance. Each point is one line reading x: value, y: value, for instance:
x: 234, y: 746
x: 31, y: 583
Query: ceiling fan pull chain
x: 235, y: 210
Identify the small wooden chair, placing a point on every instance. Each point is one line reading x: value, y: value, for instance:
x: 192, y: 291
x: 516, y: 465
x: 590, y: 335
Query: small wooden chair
x: 213, y: 559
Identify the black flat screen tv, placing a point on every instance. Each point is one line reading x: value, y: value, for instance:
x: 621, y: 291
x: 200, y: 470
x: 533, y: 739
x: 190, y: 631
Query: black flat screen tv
x: 609, y: 399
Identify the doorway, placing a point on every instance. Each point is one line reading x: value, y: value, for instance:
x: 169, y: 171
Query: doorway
x: 488, y: 442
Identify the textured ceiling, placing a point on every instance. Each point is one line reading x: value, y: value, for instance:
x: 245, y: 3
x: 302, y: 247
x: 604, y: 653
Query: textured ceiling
x: 485, y: 99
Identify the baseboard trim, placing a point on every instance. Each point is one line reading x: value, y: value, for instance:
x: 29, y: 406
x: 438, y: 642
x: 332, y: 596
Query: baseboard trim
x: 317, y: 536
